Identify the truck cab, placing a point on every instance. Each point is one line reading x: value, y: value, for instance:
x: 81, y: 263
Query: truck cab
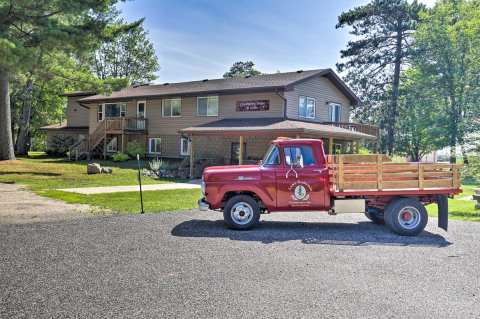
x: 295, y: 175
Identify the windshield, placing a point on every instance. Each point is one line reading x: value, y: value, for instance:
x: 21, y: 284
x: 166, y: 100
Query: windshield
x: 272, y: 157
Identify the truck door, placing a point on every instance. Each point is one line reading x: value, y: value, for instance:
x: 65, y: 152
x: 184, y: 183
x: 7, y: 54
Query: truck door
x: 301, y: 180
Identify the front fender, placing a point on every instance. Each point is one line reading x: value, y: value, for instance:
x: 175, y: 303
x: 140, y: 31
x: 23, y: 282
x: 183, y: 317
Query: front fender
x: 216, y: 200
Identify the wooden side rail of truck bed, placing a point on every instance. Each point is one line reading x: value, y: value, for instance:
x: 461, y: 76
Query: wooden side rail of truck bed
x: 377, y: 172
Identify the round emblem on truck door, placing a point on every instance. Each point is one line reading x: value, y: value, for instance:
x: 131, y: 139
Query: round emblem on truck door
x: 300, y: 192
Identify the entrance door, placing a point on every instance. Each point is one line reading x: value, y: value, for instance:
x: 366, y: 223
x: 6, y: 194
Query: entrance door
x: 301, y: 181
x: 235, y: 152
x: 141, y: 115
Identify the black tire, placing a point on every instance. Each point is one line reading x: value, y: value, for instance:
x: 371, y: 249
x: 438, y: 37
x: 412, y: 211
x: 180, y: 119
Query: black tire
x: 415, y: 219
x: 375, y: 215
x: 233, y: 210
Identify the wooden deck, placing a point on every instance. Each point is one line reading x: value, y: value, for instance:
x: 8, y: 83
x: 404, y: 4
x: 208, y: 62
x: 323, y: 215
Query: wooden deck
x: 377, y: 172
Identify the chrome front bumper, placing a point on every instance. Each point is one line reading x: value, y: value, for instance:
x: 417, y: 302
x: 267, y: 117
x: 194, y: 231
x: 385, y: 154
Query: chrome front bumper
x: 203, y: 205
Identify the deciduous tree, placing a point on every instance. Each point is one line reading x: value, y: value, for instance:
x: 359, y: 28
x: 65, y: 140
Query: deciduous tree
x: 242, y: 69
x: 448, y: 42
x: 129, y: 55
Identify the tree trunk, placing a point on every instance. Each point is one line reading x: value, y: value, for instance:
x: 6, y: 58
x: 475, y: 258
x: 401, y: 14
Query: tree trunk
x: 464, y: 154
x: 22, y: 145
x: 6, y: 143
x: 392, y: 110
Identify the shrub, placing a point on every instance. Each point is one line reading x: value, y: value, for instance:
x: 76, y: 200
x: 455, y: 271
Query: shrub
x: 60, y: 145
x: 120, y: 157
x: 471, y: 172
x: 136, y: 147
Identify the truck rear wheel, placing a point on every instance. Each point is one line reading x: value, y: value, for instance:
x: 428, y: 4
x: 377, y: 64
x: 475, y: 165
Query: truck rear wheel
x: 241, y: 212
x: 375, y: 215
x: 406, y: 216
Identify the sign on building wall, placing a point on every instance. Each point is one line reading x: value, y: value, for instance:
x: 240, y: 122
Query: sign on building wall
x: 252, y: 106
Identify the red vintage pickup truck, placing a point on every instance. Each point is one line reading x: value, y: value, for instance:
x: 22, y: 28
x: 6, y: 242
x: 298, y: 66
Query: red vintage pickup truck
x: 295, y: 175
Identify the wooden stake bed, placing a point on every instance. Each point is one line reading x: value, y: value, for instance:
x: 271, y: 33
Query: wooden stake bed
x: 376, y: 173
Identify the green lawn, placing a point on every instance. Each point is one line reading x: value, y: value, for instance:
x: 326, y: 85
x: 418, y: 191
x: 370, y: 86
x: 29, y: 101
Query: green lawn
x: 44, y: 175
x: 129, y: 202
x: 458, y: 208
x: 40, y: 173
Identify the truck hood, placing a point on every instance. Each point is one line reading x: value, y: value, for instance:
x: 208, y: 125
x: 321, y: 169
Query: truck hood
x: 231, y: 173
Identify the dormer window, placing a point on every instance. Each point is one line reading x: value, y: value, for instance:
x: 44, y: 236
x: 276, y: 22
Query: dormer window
x: 334, y: 112
x: 306, y: 107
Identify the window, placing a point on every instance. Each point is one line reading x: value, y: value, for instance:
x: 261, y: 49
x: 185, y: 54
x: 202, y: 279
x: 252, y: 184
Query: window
x: 184, y: 146
x: 141, y: 109
x: 112, y: 145
x: 273, y: 156
x: 115, y: 109
x: 100, y: 113
x: 306, y: 107
x: 154, y: 145
x: 207, y: 106
x: 171, y: 107
x: 335, y: 112
x: 301, y: 155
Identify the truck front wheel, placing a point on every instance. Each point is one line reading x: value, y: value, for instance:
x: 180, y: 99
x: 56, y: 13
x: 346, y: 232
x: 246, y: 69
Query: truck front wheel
x: 241, y: 212
x: 406, y: 216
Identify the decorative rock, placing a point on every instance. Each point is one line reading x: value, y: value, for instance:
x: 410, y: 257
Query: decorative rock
x: 94, y: 168
x: 107, y: 170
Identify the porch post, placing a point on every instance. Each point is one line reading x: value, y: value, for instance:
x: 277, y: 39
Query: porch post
x: 356, y: 146
x: 241, y: 151
x: 191, y: 157
x: 330, y: 146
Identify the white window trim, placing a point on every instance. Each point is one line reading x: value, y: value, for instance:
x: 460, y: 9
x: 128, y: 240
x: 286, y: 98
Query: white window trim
x: 104, y: 108
x: 314, y: 107
x: 110, y: 144
x: 150, y: 144
x: 206, y: 97
x: 172, y: 99
x: 332, y: 107
x: 102, y: 111
x: 181, y: 146
x: 144, y: 108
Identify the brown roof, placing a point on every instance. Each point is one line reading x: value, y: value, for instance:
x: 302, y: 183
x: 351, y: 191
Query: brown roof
x: 266, y: 126
x: 62, y: 126
x: 79, y: 93
x: 254, y: 83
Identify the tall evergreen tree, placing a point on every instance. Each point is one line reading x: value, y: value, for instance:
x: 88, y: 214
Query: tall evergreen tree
x: 374, y: 59
x: 29, y: 26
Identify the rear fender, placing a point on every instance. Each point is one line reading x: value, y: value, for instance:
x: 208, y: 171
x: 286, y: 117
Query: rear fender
x: 442, y: 203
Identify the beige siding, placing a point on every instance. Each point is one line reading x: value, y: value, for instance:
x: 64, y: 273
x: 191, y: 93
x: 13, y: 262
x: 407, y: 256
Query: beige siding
x: 227, y: 109
x: 323, y: 91
x: 76, y: 114
x: 159, y: 125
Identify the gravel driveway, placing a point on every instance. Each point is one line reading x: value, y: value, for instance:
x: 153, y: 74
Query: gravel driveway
x: 188, y: 265
x: 19, y: 205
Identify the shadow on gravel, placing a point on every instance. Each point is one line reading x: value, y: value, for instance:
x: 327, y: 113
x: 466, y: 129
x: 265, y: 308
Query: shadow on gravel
x: 355, y: 234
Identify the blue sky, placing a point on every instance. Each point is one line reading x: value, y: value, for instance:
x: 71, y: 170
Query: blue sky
x: 198, y: 39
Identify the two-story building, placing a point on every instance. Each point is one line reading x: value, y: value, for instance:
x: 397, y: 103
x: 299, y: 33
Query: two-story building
x: 224, y: 120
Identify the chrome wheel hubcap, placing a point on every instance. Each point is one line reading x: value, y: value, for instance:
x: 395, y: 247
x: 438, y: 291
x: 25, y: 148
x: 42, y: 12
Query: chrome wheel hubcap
x: 409, y: 217
x: 242, y: 213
